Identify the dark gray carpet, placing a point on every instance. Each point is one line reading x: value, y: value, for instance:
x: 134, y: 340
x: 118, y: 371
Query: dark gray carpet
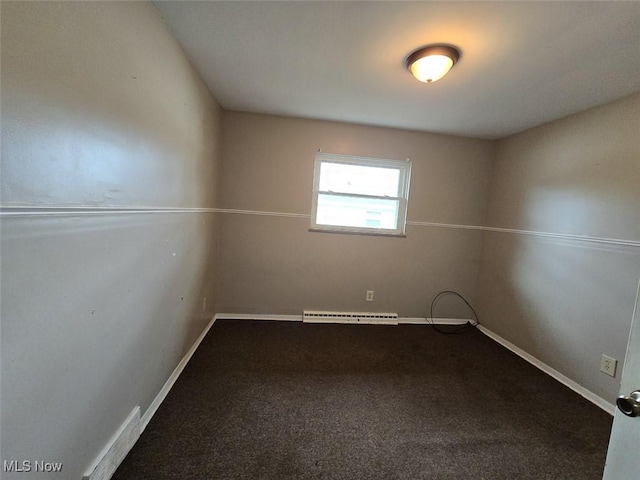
x: 280, y: 400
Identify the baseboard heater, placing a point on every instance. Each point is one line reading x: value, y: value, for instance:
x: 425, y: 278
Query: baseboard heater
x: 318, y: 316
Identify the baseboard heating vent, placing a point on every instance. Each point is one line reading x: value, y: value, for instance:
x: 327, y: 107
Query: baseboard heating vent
x: 318, y: 316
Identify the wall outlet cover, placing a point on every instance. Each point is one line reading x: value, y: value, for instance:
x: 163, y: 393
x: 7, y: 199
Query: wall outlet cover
x: 608, y: 365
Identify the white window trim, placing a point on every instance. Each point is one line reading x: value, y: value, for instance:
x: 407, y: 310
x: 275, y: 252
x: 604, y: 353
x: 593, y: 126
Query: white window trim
x: 404, y: 166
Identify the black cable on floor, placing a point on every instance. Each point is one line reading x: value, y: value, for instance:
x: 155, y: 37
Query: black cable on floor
x: 454, y: 329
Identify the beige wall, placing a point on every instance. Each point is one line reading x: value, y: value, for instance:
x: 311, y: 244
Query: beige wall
x: 100, y: 108
x: 273, y: 264
x: 579, y: 175
x: 566, y: 301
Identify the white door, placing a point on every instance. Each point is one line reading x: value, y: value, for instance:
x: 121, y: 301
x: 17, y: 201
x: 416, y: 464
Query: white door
x: 623, y: 457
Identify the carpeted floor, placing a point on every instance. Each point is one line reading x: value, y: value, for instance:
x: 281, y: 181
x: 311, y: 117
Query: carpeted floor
x: 286, y: 400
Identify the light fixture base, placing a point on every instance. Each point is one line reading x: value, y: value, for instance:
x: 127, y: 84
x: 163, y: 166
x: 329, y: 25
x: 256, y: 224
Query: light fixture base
x: 432, y: 62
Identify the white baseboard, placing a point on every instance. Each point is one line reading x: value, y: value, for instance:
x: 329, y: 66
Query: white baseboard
x: 298, y: 318
x: 116, y: 449
x: 258, y: 316
x: 129, y: 432
x: 164, y: 391
x: 431, y: 321
x: 579, y: 389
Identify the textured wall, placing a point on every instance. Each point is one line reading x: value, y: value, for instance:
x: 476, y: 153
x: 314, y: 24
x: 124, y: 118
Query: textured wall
x: 564, y: 300
x: 100, y: 108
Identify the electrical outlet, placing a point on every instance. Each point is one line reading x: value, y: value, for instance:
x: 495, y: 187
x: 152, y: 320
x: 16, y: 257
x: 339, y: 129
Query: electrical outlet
x: 608, y: 365
x: 204, y: 304
x: 369, y: 297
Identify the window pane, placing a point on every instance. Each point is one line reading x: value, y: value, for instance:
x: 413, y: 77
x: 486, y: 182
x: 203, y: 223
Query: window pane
x: 357, y: 212
x: 365, y: 180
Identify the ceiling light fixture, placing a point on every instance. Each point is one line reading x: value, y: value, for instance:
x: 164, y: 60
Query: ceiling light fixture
x: 431, y: 63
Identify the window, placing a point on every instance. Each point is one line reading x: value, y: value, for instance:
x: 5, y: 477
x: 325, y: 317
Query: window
x: 360, y: 195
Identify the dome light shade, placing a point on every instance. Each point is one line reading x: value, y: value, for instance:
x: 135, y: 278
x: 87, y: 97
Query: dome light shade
x: 431, y: 63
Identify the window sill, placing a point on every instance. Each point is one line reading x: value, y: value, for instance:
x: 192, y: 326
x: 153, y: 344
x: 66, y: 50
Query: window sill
x: 353, y: 232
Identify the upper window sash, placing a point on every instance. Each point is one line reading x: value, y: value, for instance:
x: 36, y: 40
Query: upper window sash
x: 403, y: 167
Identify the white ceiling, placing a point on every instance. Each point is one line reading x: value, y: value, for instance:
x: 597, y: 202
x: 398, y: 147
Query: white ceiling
x: 522, y: 63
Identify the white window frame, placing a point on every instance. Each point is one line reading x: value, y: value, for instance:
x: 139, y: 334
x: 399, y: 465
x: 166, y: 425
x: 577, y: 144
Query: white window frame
x: 404, y: 168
